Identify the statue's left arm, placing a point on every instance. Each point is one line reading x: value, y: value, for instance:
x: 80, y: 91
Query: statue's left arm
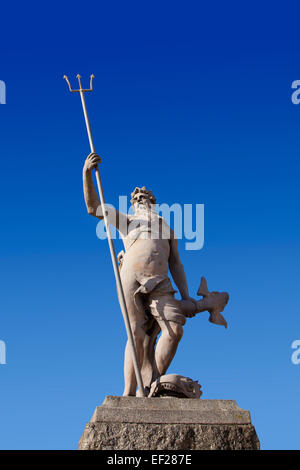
x: 177, y: 269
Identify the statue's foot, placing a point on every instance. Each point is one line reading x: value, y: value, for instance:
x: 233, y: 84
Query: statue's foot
x: 139, y: 393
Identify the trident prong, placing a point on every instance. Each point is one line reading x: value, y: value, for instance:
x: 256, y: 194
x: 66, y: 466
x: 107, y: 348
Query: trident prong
x: 91, y: 81
x: 80, y: 86
x: 67, y: 80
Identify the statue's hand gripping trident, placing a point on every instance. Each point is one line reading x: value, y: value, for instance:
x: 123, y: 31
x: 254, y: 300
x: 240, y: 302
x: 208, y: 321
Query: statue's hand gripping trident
x: 121, y: 296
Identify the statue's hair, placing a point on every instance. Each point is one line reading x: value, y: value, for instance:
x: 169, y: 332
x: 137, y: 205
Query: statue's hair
x: 142, y: 190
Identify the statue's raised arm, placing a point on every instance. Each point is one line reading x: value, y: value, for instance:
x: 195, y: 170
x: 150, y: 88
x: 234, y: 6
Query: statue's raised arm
x: 115, y: 217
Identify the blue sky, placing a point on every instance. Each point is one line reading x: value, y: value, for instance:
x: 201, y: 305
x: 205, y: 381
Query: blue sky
x: 193, y: 101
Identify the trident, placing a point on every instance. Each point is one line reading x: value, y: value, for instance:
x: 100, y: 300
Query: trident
x: 109, y: 237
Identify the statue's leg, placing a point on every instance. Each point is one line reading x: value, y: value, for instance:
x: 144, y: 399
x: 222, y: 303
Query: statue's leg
x: 129, y: 373
x: 137, y: 323
x: 168, y: 314
x: 149, y: 369
x: 171, y: 334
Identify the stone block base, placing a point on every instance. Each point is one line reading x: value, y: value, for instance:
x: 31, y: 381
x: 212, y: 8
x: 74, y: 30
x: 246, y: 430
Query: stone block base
x: 130, y: 423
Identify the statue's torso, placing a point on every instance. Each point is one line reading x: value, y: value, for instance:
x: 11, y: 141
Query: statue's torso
x: 147, y: 246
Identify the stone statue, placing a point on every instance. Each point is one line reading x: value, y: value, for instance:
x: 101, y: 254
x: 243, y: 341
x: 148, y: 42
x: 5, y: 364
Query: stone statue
x: 150, y: 253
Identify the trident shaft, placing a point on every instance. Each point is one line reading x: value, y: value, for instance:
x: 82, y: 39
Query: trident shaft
x: 110, y: 240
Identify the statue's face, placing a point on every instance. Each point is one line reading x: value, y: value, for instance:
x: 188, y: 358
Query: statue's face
x: 141, y: 202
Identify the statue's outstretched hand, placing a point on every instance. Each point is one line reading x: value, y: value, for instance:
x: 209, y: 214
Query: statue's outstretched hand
x: 192, y: 306
x: 91, y: 162
x: 190, y: 315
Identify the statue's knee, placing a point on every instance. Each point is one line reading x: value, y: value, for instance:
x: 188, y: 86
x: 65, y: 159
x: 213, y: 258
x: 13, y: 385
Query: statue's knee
x: 138, y: 333
x: 174, y: 333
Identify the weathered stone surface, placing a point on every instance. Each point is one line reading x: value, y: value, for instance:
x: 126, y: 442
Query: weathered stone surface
x: 130, y: 436
x: 130, y: 423
x: 170, y: 410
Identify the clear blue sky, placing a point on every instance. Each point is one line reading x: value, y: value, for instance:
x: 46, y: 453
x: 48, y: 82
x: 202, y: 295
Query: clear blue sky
x: 193, y: 101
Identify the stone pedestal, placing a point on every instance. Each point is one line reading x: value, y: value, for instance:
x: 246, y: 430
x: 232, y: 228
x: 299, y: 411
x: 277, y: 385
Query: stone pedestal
x: 131, y: 423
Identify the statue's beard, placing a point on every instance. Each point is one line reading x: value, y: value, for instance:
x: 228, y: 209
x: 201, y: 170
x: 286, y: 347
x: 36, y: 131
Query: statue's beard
x: 143, y: 207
